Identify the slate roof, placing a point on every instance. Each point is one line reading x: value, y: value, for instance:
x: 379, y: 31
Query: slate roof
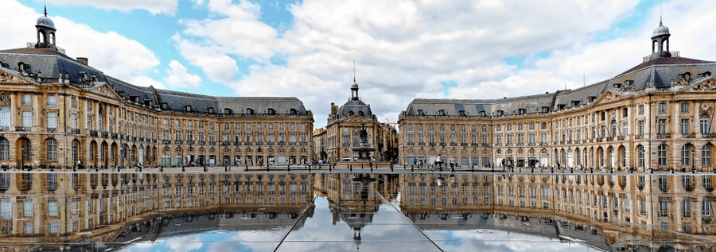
x: 661, y: 72
x: 49, y: 64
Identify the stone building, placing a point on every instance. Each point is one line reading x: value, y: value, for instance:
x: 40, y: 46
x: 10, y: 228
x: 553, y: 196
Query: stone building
x: 657, y: 115
x: 344, y: 126
x: 56, y: 111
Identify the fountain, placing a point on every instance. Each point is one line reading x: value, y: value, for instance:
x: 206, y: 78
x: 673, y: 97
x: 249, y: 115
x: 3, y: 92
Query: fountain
x: 363, y: 149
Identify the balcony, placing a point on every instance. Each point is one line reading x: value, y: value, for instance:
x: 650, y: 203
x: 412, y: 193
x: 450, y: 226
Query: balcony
x: 190, y: 142
x: 689, y: 135
x: 4, y: 128
x: 141, y: 139
x: 134, y: 138
x: 474, y: 144
x: 166, y: 141
x: 663, y: 135
x: 304, y: 143
x: 202, y: 142
x: 620, y: 138
x: 212, y: 143
x: 248, y: 143
x: 22, y: 129
x: 94, y: 133
x: 421, y: 143
x: 463, y: 144
x: 226, y: 143
x: 105, y: 134
x: 51, y: 130
x: 453, y: 144
x: 178, y: 142
x: 410, y: 143
x: 115, y: 135
x: 485, y: 144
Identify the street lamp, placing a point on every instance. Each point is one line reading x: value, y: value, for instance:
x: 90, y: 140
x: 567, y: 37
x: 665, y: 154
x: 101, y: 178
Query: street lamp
x: 692, y: 160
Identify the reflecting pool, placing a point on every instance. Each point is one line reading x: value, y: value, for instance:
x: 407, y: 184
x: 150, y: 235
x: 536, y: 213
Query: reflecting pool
x: 332, y: 211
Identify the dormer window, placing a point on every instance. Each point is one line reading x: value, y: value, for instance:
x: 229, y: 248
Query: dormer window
x: 482, y: 113
x: 462, y: 113
x: 164, y: 105
x: 350, y: 113
x: 134, y: 98
x: 591, y: 98
x: 575, y: 103
x: 271, y: 111
x: 421, y: 112
x: 617, y: 85
x: 228, y: 111
x: 187, y: 108
x: 500, y: 113
x: 705, y: 74
x: 209, y: 110
x: 249, y: 111
x: 545, y: 109
x: 360, y: 113
x: 293, y: 111
x: 148, y: 103
x: 560, y: 106
x: 441, y: 112
x: 522, y: 111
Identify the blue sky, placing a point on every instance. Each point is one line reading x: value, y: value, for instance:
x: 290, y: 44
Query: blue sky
x: 402, y: 49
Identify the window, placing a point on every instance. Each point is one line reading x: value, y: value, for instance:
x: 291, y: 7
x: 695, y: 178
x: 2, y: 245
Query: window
x: 51, y: 150
x: 706, y: 156
x: 5, y: 117
x: 662, y: 155
x: 684, y: 127
x: 26, y: 99
x: 704, y: 124
x: 27, y: 119
x: 52, y: 120
x: 661, y: 126
x: 662, y: 108
x: 684, y: 107
x: 441, y: 112
x: 51, y: 101
x: 685, y: 155
x: 640, y: 128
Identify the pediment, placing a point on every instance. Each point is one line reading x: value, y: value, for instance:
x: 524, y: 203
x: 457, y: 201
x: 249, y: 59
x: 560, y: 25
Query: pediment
x: 608, y: 97
x: 104, y: 90
x: 9, y: 77
x: 705, y: 85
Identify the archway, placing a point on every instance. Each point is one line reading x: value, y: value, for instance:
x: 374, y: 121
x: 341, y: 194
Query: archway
x: 24, y: 152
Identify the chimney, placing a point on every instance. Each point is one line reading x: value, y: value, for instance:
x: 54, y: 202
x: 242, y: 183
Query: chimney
x: 83, y: 60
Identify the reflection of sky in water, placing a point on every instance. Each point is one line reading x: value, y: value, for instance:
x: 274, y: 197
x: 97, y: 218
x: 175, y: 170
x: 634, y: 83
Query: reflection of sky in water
x: 387, y: 230
x: 496, y: 240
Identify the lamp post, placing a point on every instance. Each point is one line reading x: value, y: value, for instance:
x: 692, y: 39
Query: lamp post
x: 692, y: 161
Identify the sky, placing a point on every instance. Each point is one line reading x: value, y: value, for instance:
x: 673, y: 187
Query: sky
x: 402, y: 49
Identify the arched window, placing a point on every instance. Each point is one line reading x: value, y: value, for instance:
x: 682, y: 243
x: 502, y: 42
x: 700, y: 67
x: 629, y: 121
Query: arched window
x: 360, y: 113
x: 685, y: 155
x: 640, y: 155
x: 350, y: 113
x: 623, y: 154
x: 5, y: 117
x: 706, y: 156
x: 249, y: 111
x: 271, y: 111
x: 703, y: 124
x: 51, y: 150
x: 293, y: 111
x: 4, y: 149
x: 661, y: 151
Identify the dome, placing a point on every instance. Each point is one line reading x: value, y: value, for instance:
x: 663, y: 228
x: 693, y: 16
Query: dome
x: 46, y: 22
x: 354, y: 86
x: 661, y: 30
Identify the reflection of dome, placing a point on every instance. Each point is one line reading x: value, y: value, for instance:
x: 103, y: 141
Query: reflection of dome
x: 661, y: 30
x: 45, y: 21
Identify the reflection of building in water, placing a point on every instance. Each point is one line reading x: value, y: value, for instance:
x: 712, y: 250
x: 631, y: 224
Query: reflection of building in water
x: 68, y: 207
x: 636, y: 206
x: 353, y: 199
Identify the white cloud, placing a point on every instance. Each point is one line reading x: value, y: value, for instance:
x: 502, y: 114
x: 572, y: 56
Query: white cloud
x: 178, y: 77
x: 152, y: 6
x: 110, y: 52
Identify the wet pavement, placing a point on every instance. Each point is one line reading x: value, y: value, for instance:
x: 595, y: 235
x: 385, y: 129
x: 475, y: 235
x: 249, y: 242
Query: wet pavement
x: 213, y: 210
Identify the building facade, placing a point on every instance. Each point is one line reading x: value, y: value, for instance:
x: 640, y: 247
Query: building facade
x: 657, y: 115
x: 56, y: 111
x: 344, y: 126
